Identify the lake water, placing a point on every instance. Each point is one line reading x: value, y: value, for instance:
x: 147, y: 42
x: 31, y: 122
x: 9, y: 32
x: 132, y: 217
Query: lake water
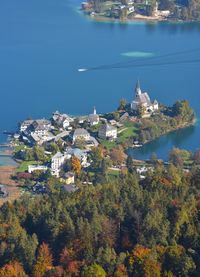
x: 43, y: 43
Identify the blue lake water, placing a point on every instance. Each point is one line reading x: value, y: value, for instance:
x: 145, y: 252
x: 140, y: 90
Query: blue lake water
x: 43, y: 43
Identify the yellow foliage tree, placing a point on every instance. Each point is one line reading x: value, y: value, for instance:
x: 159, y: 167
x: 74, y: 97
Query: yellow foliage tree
x: 43, y: 262
x: 76, y: 165
x: 13, y: 269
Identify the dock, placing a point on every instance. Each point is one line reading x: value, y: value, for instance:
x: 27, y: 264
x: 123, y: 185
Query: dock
x: 5, y: 145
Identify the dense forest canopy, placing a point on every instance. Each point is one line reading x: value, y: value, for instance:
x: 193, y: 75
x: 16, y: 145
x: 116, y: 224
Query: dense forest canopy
x: 121, y: 227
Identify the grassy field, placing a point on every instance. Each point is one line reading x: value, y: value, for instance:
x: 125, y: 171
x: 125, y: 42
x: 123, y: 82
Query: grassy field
x: 114, y: 173
x: 24, y: 165
x: 108, y: 144
x: 128, y: 131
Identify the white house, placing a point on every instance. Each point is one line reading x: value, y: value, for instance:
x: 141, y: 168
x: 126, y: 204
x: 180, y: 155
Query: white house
x: 93, y: 118
x: 107, y: 132
x: 143, y: 100
x: 61, y: 120
x: 78, y: 153
x: 25, y: 124
x: 39, y: 127
x: 56, y: 163
x: 81, y: 134
x: 32, y: 168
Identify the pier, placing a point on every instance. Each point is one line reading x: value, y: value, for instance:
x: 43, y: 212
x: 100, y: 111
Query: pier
x: 5, y: 155
x: 5, y: 145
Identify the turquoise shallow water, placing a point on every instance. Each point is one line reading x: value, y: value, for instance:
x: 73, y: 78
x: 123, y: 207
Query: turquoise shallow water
x: 43, y: 43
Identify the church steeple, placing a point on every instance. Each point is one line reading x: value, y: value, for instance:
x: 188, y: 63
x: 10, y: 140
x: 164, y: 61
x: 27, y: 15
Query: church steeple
x: 94, y: 112
x: 137, y: 88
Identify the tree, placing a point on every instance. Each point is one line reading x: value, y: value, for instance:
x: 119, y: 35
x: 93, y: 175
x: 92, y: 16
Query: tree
x: 141, y: 111
x: 122, y: 102
x: 43, y: 262
x: 121, y: 271
x: 13, y: 269
x: 196, y: 157
x: 93, y: 270
x: 76, y: 165
x: 117, y: 155
x: 154, y: 158
x: 97, y: 156
x: 129, y: 163
x: 53, y: 147
x: 175, y: 157
x: 68, y: 261
x: 39, y: 154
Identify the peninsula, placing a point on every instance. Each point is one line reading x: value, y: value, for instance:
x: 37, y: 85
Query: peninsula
x: 67, y: 148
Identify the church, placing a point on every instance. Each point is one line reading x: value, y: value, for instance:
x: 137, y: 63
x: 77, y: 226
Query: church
x: 143, y: 100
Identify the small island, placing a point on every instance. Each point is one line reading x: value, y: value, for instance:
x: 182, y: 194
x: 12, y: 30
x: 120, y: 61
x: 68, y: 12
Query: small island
x: 148, y: 10
x: 67, y: 149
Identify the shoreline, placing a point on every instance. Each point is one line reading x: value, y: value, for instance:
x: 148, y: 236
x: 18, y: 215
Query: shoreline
x: 6, y: 173
x: 183, y: 126
x: 138, y: 18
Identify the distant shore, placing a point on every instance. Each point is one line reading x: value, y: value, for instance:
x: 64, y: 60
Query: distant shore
x: 137, y: 18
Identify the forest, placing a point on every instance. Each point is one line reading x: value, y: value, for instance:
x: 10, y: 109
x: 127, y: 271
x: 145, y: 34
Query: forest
x: 125, y: 226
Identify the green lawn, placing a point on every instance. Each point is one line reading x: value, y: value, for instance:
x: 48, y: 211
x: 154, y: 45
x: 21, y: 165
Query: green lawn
x: 129, y: 132
x: 108, y: 144
x: 114, y: 173
x: 24, y: 165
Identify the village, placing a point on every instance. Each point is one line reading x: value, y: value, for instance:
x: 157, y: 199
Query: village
x: 69, y: 150
x: 123, y: 10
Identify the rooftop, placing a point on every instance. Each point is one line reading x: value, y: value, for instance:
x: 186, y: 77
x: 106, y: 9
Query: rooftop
x: 81, y: 132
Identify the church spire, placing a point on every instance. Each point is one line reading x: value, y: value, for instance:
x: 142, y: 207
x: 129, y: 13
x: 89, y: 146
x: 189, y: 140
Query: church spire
x: 94, y: 112
x: 137, y: 88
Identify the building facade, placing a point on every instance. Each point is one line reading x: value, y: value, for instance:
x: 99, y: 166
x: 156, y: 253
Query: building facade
x: 142, y: 100
x: 107, y: 131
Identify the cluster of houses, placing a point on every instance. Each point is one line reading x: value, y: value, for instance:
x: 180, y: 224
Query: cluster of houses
x: 61, y: 126
x: 124, y: 8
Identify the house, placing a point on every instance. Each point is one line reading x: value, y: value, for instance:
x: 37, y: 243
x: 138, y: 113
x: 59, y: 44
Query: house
x: 80, y: 134
x: 39, y: 127
x: 61, y: 120
x: 112, y: 122
x: 25, y: 124
x: 93, y: 118
x: 32, y: 168
x: 123, y: 117
x: 36, y: 131
x: 78, y: 153
x: 142, y: 100
x: 81, y: 119
x: 68, y: 178
x: 56, y: 163
x: 131, y: 9
x: 107, y: 132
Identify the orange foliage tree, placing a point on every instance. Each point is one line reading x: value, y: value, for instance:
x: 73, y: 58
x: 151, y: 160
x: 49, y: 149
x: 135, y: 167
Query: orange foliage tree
x: 76, y: 165
x: 13, y: 269
x: 43, y: 262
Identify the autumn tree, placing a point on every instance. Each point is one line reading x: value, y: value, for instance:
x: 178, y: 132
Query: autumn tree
x: 76, y: 165
x: 93, y: 270
x: 117, y: 155
x: 13, y: 269
x: 43, y: 262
